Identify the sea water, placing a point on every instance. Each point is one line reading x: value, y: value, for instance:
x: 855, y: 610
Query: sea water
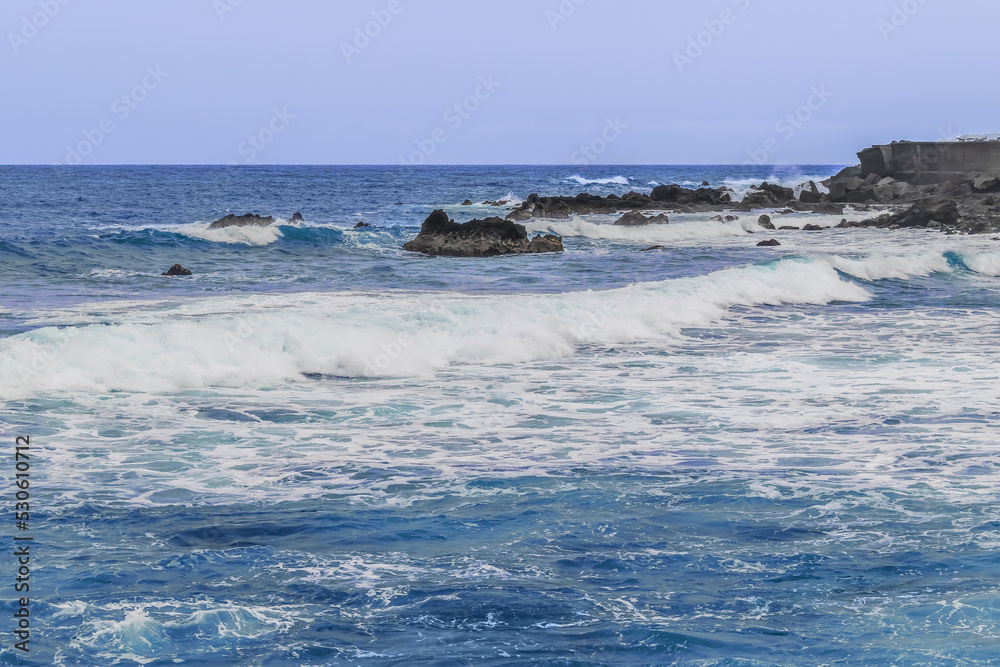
x: 322, y: 450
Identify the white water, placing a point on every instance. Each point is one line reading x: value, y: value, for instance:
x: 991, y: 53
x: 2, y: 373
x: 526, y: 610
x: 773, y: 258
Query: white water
x: 614, y: 180
x: 250, y: 342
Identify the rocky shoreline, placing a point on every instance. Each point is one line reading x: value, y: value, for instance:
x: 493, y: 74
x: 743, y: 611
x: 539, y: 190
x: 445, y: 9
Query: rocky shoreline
x: 968, y: 206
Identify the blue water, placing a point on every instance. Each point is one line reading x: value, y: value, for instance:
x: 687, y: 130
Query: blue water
x: 322, y: 450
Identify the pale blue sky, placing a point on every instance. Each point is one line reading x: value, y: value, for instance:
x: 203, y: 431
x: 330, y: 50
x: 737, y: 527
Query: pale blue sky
x: 229, y: 70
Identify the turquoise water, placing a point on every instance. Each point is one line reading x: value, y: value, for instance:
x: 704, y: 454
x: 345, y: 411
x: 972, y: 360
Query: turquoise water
x: 321, y: 450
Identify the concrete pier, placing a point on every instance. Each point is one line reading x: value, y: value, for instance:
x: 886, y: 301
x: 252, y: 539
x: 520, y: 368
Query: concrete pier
x: 924, y: 163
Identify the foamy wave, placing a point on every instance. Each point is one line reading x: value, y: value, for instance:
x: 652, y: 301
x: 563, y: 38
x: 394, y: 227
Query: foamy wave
x: 899, y: 267
x: 616, y: 180
x: 269, y: 340
x: 983, y: 263
x: 673, y: 233
x: 112, y: 274
x: 255, y: 236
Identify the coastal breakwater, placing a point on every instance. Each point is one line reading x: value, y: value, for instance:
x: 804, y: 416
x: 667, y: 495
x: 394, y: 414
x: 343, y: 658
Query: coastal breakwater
x: 931, y: 162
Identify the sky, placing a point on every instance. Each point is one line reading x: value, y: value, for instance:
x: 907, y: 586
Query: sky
x: 489, y: 81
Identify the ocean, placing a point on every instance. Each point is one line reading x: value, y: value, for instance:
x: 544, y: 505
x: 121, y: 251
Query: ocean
x: 322, y: 450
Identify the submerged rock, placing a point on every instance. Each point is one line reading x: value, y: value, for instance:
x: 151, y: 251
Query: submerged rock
x: 770, y: 243
x: 652, y: 247
x: 361, y: 225
x: 176, y: 270
x: 636, y: 219
x: 440, y: 235
x: 247, y: 220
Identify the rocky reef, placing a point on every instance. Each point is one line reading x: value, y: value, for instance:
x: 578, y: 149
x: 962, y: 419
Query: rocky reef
x: 439, y: 235
x: 250, y: 220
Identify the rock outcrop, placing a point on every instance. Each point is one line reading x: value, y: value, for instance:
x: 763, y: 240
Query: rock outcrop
x: 439, y: 235
x: 247, y: 220
x: 636, y: 219
x: 176, y: 270
x: 767, y: 195
x: 940, y: 210
x: 770, y: 243
x: 765, y: 222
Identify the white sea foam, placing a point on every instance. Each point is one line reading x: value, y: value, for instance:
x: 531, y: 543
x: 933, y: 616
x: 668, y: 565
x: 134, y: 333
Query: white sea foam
x: 900, y: 267
x: 983, y: 263
x: 253, y: 236
x: 672, y: 233
x: 397, y: 335
x: 614, y: 180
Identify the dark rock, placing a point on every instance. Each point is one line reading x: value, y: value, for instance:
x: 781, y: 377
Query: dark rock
x: 849, y: 172
x: 176, y: 270
x: 787, y: 211
x: 297, y: 217
x: 789, y: 227
x: 439, y: 235
x: 765, y: 222
x: 829, y: 208
x: 931, y: 209
x: 467, y: 202
x: 652, y: 247
x: 724, y: 218
x: 361, y: 225
x: 770, y: 243
x: 813, y: 228
x: 767, y: 195
x: 862, y: 195
x: 706, y: 184
x: 837, y: 190
x: 248, y: 220
x: 545, y: 243
x: 675, y: 194
x: 518, y: 215
x: 810, y: 194
x: 636, y: 219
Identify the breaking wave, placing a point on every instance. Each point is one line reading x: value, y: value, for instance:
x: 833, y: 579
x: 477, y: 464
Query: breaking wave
x: 261, y: 341
x: 615, y: 180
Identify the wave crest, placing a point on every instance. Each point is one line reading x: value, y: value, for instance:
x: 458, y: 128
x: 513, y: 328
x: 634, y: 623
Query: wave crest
x: 260, y: 341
